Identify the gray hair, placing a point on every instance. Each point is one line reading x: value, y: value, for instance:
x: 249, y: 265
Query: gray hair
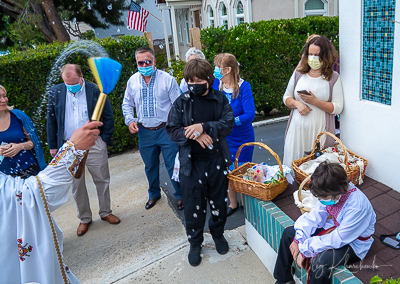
x: 194, y: 51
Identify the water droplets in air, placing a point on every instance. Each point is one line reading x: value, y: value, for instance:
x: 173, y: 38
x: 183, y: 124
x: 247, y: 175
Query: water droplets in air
x: 161, y: 46
x: 197, y: 207
x: 206, y: 174
x: 200, y: 181
x: 225, y: 172
x: 74, y: 21
x: 194, y: 215
x: 109, y: 7
x: 118, y: 30
x: 218, y: 167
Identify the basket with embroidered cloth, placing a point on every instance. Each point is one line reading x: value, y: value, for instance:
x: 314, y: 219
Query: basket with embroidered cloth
x: 263, y: 190
x: 354, y: 164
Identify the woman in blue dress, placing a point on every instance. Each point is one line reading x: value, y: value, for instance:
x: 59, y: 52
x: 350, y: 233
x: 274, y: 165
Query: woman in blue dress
x: 239, y: 95
x: 18, y: 136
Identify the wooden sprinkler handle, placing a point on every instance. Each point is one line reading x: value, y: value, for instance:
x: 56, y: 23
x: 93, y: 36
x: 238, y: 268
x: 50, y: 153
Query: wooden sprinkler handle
x: 98, y: 110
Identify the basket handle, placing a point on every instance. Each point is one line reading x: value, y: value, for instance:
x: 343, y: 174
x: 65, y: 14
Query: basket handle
x: 303, y: 183
x: 258, y: 144
x: 337, y: 140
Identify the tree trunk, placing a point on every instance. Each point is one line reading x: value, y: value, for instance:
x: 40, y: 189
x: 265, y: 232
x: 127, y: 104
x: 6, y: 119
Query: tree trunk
x: 55, y: 21
x: 43, y: 27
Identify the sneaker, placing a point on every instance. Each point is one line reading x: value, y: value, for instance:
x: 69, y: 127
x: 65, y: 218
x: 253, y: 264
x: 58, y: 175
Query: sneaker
x: 194, y: 255
x: 221, y: 244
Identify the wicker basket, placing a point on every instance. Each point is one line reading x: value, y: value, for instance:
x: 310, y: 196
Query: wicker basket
x: 353, y: 172
x: 265, y: 192
x: 305, y: 209
x: 306, y: 180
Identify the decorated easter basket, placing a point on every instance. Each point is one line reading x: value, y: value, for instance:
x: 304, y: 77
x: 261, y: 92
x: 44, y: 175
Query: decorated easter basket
x: 353, y: 172
x: 262, y: 191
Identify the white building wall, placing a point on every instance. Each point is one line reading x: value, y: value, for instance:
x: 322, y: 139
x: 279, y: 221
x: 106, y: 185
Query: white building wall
x: 369, y: 129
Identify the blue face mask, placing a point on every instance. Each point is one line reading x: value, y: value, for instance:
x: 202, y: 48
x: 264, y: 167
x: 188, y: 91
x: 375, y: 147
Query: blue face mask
x: 328, y: 202
x: 217, y: 73
x: 146, y: 71
x: 73, y: 88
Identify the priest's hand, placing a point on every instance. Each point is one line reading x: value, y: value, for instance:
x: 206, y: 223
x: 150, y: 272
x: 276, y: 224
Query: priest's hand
x: 85, y: 137
x: 204, y: 140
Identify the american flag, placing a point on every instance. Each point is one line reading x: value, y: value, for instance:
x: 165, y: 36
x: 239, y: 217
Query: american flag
x: 137, y: 19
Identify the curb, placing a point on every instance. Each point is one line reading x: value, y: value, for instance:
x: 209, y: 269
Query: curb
x: 270, y: 121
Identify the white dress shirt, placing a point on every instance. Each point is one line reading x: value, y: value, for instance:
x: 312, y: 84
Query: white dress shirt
x: 76, y: 111
x: 152, y: 102
x: 356, y: 218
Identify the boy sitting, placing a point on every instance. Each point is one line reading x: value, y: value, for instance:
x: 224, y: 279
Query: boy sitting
x: 321, y: 243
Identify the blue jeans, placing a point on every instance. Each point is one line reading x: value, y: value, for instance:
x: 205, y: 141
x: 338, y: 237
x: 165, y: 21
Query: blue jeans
x: 151, y: 143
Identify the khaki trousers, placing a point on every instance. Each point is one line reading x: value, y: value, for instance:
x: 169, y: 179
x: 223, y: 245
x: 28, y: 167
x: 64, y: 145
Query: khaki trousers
x: 97, y: 164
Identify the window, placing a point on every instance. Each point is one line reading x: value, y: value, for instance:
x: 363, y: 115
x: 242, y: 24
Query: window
x: 180, y: 29
x: 316, y: 8
x: 223, y: 15
x: 187, y: 26
x: 239, y: 13
x: 210, y: 13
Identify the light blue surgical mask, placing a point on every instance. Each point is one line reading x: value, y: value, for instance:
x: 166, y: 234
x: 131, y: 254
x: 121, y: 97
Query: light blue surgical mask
x: 146, y: 71
x: 328, y: 202
x: 74, y: 88
x: 217, y: 73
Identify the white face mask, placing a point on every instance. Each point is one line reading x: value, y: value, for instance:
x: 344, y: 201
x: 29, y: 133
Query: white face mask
x: 314, y: 62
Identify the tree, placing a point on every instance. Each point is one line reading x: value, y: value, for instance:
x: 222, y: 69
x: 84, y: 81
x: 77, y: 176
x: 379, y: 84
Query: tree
x: 51, y: 18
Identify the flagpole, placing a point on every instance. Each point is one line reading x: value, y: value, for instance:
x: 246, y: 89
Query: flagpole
x: 154, y: 16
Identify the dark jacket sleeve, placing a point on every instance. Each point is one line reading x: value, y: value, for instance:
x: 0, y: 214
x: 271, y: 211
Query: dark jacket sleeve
x: 175, y: 127
x: 108, y: 123
x: 223, y: 127
x: 51, y: 120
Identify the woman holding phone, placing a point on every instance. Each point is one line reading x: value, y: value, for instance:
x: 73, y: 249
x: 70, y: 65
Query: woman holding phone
x: 315, y: 95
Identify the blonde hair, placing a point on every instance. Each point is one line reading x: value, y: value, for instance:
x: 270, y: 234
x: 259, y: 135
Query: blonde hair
x: 229, y: 60
x: 10, y: 108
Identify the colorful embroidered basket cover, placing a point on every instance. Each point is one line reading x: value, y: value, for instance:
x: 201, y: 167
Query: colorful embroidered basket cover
x: 262, y: 191
x: 352, y: 171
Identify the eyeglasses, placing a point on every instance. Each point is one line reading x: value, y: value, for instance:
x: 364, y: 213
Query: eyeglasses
x: 142, y: 63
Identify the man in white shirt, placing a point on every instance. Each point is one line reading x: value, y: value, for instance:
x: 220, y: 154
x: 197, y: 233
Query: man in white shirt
x: 70, y: 106
x: 152, y: 92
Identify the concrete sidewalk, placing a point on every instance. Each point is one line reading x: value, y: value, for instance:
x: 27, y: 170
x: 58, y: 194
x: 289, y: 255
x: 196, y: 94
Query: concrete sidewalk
x: 148, y: 246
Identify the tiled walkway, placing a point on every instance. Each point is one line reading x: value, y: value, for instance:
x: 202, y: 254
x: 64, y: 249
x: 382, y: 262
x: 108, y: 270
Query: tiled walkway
x: 386, y: 203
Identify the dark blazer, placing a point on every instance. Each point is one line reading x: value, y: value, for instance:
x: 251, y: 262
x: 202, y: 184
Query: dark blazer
x: 56, y: 114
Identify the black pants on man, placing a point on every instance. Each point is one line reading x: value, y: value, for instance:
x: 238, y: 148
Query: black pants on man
x: 321, y: 266
x: 207, y: 181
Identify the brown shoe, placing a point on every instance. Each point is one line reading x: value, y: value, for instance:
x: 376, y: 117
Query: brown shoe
x: 150, y: 203
x: 179, y: 204
x: 112, y: 219
x: 82, y: 228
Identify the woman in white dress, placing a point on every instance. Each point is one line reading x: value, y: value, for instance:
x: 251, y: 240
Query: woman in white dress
x: 314, y: 112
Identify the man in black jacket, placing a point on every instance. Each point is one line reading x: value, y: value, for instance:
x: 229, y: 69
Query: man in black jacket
x: 198, y: 122
x: 70, y: 106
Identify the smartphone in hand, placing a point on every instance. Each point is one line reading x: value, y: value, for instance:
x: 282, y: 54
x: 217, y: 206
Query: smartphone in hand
x: 304, y: 92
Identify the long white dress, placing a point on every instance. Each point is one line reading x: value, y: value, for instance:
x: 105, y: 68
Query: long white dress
x: 31, y: 243
x: 303, y: 130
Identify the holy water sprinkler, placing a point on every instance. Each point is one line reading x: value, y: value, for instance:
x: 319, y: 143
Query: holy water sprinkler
x: 106, y: 72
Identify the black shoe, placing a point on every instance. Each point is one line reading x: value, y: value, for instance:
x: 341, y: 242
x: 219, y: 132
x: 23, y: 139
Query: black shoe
x: 221, y: 245
x: 281, y: 282
x: 231, y: 210
x: 194, y: 255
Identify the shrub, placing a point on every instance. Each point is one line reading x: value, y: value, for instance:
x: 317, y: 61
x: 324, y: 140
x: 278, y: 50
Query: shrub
x: 24, y: 75
x: 268, y: 52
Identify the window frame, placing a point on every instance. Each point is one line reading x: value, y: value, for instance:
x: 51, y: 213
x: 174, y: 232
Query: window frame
x: 209, y: 18
x: 187, y: 25
x: 238, y: 16
x: 223, y: 18
x: 319, y: 12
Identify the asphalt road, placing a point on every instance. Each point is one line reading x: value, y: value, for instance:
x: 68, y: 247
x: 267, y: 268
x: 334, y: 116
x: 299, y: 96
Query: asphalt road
x: 271, y: 134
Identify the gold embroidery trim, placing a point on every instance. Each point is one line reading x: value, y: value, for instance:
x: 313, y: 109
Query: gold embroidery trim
x: 46, y: 207
x: 62, y: 154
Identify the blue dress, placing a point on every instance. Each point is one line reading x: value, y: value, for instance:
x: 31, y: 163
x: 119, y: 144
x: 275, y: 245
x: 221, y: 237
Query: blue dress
x: 244, y: 113
x: 15, y: 134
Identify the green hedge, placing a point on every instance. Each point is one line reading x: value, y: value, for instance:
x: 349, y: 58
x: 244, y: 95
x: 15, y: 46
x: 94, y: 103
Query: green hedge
x: 24, y: 76
x: 268, y: 52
